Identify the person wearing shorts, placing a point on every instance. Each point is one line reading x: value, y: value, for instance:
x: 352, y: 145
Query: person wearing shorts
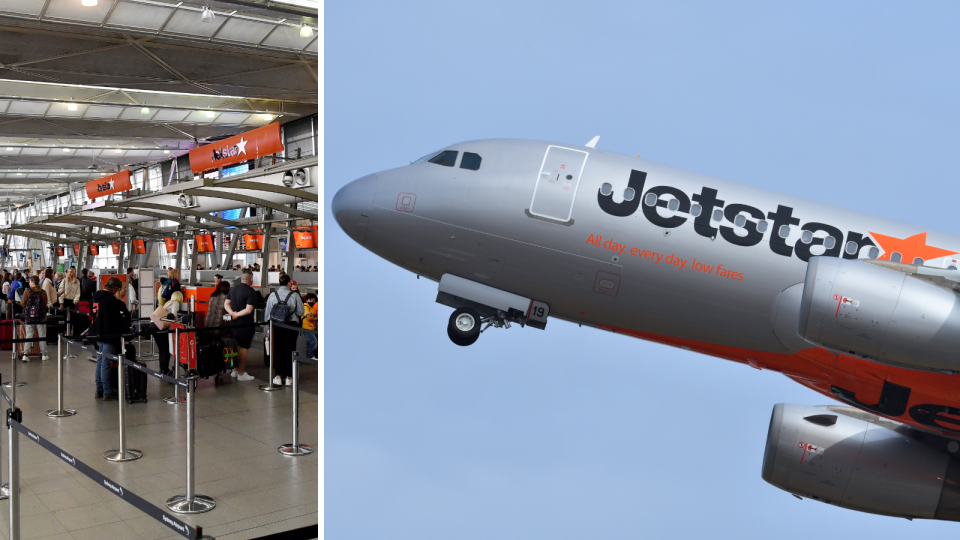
x: 240, y: 305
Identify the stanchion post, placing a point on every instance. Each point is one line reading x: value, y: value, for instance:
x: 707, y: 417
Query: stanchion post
x: 191, y: 503
x: 176, y: 368
x: 60, y: 412
x: 4, y: 488
x: 295, y: 448
x: 123, y: 453
x: 13, y: 456
x: 270, y: 387
x: 13, y: 463
x: 13, y: 360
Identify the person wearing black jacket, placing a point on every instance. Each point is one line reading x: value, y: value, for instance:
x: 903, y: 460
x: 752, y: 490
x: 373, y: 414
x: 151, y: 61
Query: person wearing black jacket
x: 111, y: 319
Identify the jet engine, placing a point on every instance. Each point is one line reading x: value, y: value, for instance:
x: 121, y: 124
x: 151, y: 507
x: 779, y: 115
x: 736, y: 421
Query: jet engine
x: 855, y: 460
x: 891, y: 313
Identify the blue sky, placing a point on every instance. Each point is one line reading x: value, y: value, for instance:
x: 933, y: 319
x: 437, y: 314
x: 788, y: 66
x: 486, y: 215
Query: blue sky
x: 571, y: 432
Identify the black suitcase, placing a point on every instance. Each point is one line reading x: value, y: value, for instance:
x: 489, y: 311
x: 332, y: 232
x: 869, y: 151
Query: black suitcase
x: 56, y: 326
x: 135, y: 385
x: 210, y: 356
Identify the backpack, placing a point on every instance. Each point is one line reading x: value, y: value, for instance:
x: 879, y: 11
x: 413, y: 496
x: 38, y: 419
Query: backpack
x: 34, y: 311
x: 281, y: 311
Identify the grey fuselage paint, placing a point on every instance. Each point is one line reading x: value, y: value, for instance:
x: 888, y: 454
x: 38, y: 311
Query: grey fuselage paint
x: 680, y: 275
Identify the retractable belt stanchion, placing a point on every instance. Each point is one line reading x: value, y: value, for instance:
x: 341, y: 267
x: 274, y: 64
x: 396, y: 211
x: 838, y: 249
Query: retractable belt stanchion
x: 176, y: 369
x: 60, y: 412
x: 191, y: 503
x: 13, y: 449
x: 69, y: 333
x: 13, y: 356
x: 295, y: 448
x: 270, y: 387
x: 123, y: 453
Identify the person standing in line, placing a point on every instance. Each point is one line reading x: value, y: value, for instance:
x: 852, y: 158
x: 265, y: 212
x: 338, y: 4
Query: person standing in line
x: 34, y: 304
x: 284, y: 306
x: 215, y: 310
x: 171, y: 286
x: 310, y: 309
x: 69, y: 290
x: 133, y: 288
x: 48, y: 286
x: 165, y: 342
x: 240, y: 304
x: 112, y: 319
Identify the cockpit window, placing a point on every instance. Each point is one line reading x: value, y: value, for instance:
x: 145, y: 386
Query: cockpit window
x: 470, y: 161
x: 447, y: 158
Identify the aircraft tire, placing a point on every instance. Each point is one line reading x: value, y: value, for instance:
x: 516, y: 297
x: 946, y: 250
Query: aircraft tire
x: 464, y: 327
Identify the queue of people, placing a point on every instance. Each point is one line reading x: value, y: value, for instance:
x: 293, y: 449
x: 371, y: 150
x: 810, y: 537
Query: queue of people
x: 231, y: 309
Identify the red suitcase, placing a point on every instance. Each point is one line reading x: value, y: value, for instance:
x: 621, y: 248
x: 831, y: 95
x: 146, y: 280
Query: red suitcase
x: 6, y: 333
x: 187, y: 346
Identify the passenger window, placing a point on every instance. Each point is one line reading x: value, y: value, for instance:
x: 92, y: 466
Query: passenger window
x: 673, y: 205
x: 918, y: 261
x: 852, y: 247
x: 806, y: 237
x: 696, y: 210
x: 447, y: 158
x: 762, y: 226
x: 606, y: 189
x: 629, y: 194
x: 470, y: 161
x: 739, y: 221
x: 874, y: 253
x: 829, y: 242
x: 784, y: 231
x: 895, y: 256
x: 718, y: 215
x: 650, y: 199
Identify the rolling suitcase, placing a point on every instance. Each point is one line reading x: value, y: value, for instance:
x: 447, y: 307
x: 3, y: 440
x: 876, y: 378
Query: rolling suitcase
x: 56, y: 326
x: 211, y: 359
x: 6, y: 333
x: 135, y: 381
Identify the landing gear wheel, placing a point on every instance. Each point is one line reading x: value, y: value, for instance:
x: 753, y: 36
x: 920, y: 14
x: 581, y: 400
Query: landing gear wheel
x: 464, y: 327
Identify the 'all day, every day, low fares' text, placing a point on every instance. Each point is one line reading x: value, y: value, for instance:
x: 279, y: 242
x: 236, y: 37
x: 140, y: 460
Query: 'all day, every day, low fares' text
x: 670, y: 260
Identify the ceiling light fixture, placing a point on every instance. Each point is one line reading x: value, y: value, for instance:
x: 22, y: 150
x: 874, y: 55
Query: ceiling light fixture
x: 208, y: 113
x: 118, y: 151
x: 207, y: 15
x: 71, y: 106
x: 166, y: 151
x: 268, y: 117
x: 66, y: 150
x: 9, y: 149
x: 144, y: 110
x: 88, y: 3
x: 305, y: 31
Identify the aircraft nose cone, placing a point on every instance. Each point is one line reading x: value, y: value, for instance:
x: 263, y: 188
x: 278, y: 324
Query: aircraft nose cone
x: 351, y: 206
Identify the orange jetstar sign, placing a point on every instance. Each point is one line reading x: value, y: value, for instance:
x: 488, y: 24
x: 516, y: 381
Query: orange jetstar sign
x: 115, y: 183
x: 262, y: 141
x: 910, y: 248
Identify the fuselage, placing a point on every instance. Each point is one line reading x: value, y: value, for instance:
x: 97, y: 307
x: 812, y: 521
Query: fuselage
x: 646, y: 250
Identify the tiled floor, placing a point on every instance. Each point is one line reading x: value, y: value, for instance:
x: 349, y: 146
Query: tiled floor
x: 258, y: 491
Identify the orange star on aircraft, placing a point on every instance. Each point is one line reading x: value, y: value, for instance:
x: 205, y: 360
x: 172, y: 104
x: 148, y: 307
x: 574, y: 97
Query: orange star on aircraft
x: 909, y: 248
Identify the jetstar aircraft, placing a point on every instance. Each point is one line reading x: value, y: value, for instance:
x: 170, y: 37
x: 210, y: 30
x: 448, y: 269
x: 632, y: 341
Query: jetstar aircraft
x: 860, y: 308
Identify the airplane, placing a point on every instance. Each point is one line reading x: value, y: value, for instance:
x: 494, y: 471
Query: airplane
x: 859, y: 308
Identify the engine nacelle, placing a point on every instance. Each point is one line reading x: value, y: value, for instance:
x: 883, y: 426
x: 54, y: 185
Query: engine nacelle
x: 880, y: 314
x: 858, y: 461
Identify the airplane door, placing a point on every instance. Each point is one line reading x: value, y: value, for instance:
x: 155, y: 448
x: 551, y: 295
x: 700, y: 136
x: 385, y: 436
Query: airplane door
x: 557, y: 183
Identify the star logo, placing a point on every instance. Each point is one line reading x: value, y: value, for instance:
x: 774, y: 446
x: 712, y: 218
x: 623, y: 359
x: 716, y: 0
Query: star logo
x: 241, y: 146
x: 910, y: 248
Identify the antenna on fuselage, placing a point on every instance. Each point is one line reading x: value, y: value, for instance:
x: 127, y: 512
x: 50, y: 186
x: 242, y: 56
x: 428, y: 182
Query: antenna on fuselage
x: 593, y: 142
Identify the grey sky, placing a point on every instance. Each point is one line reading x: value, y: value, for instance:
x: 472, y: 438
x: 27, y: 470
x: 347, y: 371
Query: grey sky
x: 575, y: 432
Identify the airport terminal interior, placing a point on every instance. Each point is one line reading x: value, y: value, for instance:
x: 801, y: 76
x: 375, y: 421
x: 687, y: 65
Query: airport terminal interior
x: 168, y: 149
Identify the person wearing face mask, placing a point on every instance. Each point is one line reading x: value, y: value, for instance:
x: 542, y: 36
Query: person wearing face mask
x: 309, y: 322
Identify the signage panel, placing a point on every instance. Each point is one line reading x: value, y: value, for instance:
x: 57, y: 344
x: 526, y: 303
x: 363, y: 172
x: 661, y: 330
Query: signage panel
x: 204, y: 243
x: 108, y: 185
x: 252, y: 144
x: 171, y: 244
x: 139, y: 247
